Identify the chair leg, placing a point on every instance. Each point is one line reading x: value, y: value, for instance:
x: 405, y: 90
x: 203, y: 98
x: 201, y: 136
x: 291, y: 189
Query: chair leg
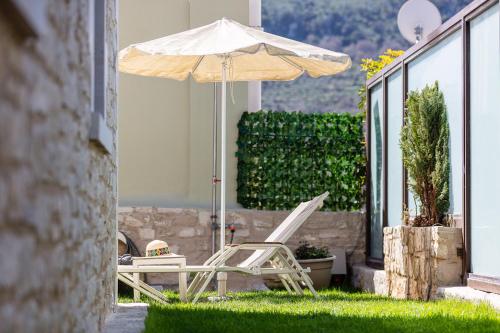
x: 295, y: 284
x: 309, y: 284
x: 301, y: 276
x: 201, y: 277
x: 195, y: 282
x: 142, y: 287
x: 285, y: 283
x: 281, y: 261
x: 204, y: 286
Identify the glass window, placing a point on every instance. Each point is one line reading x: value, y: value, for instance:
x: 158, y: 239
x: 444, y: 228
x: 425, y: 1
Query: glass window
x: 443, y: 63
x: 376, y: 130
x: 485, y: 142
x: 394, y: 157
x: 99, y: 48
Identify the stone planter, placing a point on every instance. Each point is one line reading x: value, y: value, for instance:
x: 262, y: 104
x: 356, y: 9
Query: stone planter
x: 321, y: 271
x: 418, y: 260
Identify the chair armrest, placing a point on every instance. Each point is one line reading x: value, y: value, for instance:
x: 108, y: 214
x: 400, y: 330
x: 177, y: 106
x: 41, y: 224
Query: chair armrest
x: 261, y: 243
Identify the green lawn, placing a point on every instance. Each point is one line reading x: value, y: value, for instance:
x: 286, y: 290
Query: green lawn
x: 337, y: 311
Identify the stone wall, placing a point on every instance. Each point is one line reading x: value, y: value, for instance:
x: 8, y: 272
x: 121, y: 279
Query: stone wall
x: 419, y: 260
x: 188, y: 232
x: 57, y: 190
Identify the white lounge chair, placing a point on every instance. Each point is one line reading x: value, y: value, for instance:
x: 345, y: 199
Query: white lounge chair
x: 268, y: 257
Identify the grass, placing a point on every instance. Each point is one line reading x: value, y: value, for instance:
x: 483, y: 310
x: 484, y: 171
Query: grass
x: 336, y: 311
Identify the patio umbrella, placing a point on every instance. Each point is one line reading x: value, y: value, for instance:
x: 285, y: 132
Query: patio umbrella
x: 229, y: 51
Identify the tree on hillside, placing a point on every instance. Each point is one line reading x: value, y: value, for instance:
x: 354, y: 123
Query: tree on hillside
x: 360, y: 28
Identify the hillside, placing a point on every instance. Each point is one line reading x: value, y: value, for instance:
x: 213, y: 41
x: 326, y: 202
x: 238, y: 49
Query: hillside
x: 360, y: 28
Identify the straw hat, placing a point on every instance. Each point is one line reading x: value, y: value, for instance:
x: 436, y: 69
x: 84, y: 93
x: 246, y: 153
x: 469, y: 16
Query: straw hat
x: 157, y: 248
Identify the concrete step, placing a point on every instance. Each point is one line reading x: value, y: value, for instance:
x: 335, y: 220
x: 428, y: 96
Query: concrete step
x: 369, y: 279
x: 469, y: 294
x: 127, y: 318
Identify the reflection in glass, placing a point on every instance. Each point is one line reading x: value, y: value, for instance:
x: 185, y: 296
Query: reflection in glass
x: 485, y: 142
x: 443, y: 63
x: 394, y: 156
x: 376, y: 128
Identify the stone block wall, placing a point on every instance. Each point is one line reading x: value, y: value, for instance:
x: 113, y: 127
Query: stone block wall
x: 188, y: 232
x: 57, y: 190
x: 419, y: 260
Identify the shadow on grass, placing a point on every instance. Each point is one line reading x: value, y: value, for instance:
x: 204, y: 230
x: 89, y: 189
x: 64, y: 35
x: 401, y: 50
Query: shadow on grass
x: 325, y: 295
x: 198, y: 319
x: 281, y: 296
x: 342, y: 294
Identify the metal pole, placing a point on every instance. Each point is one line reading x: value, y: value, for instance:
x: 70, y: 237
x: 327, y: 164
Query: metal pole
x: 222, y: 276
x: 223, y: 159
x: 213, y: 216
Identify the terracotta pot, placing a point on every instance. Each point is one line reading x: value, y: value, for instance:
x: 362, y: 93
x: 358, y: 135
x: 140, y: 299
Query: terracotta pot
x: 321, y: 271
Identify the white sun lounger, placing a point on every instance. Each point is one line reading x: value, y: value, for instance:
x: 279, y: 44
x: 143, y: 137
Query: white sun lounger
x: 268, y: 257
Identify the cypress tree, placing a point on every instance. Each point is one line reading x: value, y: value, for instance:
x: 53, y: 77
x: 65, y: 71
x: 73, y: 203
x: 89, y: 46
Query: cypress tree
x: 424, y: 144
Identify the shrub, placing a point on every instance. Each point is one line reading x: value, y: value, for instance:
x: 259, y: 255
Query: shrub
x: 307, y: 251
x: 285, y: 158
x: 372, y: 67
x: 424, y: 143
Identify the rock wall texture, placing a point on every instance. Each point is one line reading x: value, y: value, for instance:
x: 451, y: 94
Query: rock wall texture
x: 188, y: 232
x: 419, y: 260
x: 57, y: 190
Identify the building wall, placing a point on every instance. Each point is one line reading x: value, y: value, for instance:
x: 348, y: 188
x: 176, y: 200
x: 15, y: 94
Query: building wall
x: 57, y: 190
x: 165, y: 142
x: 188, y: 232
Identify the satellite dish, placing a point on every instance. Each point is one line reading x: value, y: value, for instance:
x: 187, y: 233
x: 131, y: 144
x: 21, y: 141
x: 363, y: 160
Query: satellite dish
x: 418, y: 18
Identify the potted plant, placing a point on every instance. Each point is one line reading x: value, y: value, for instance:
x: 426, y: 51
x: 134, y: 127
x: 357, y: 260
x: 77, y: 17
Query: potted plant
x: 422, y: 254
x: 319, y: 260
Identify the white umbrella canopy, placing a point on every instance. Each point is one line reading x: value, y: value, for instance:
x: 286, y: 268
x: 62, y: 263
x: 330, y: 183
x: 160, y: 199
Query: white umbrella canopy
x: 227, y: 50
x: 252, y: 53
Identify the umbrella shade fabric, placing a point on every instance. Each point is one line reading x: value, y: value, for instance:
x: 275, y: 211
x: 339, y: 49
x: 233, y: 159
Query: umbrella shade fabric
x: 251, y: 55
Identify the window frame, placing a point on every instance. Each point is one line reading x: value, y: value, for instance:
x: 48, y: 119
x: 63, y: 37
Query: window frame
x: 99, y: 134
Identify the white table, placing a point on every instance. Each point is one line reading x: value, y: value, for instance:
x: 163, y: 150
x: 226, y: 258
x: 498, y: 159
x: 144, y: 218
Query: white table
x: 166, y: 260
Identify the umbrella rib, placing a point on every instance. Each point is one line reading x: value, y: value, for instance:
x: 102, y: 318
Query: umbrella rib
x: 290, y: 62
x: 195, y: 67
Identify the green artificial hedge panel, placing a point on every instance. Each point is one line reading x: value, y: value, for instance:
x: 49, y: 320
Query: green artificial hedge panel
x: 285, y: 158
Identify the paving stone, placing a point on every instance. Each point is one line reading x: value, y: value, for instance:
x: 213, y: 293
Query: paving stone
x: 127, y: 318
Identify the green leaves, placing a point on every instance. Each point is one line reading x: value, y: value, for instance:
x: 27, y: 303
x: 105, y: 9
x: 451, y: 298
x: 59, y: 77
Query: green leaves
x: 285, y: 158
x: 372, y: 67
x: 307, y: 251
x: 424, y: 143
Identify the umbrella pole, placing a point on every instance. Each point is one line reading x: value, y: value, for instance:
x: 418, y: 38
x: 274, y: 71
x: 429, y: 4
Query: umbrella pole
x: 213, y: 216
x: 222, y: 276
